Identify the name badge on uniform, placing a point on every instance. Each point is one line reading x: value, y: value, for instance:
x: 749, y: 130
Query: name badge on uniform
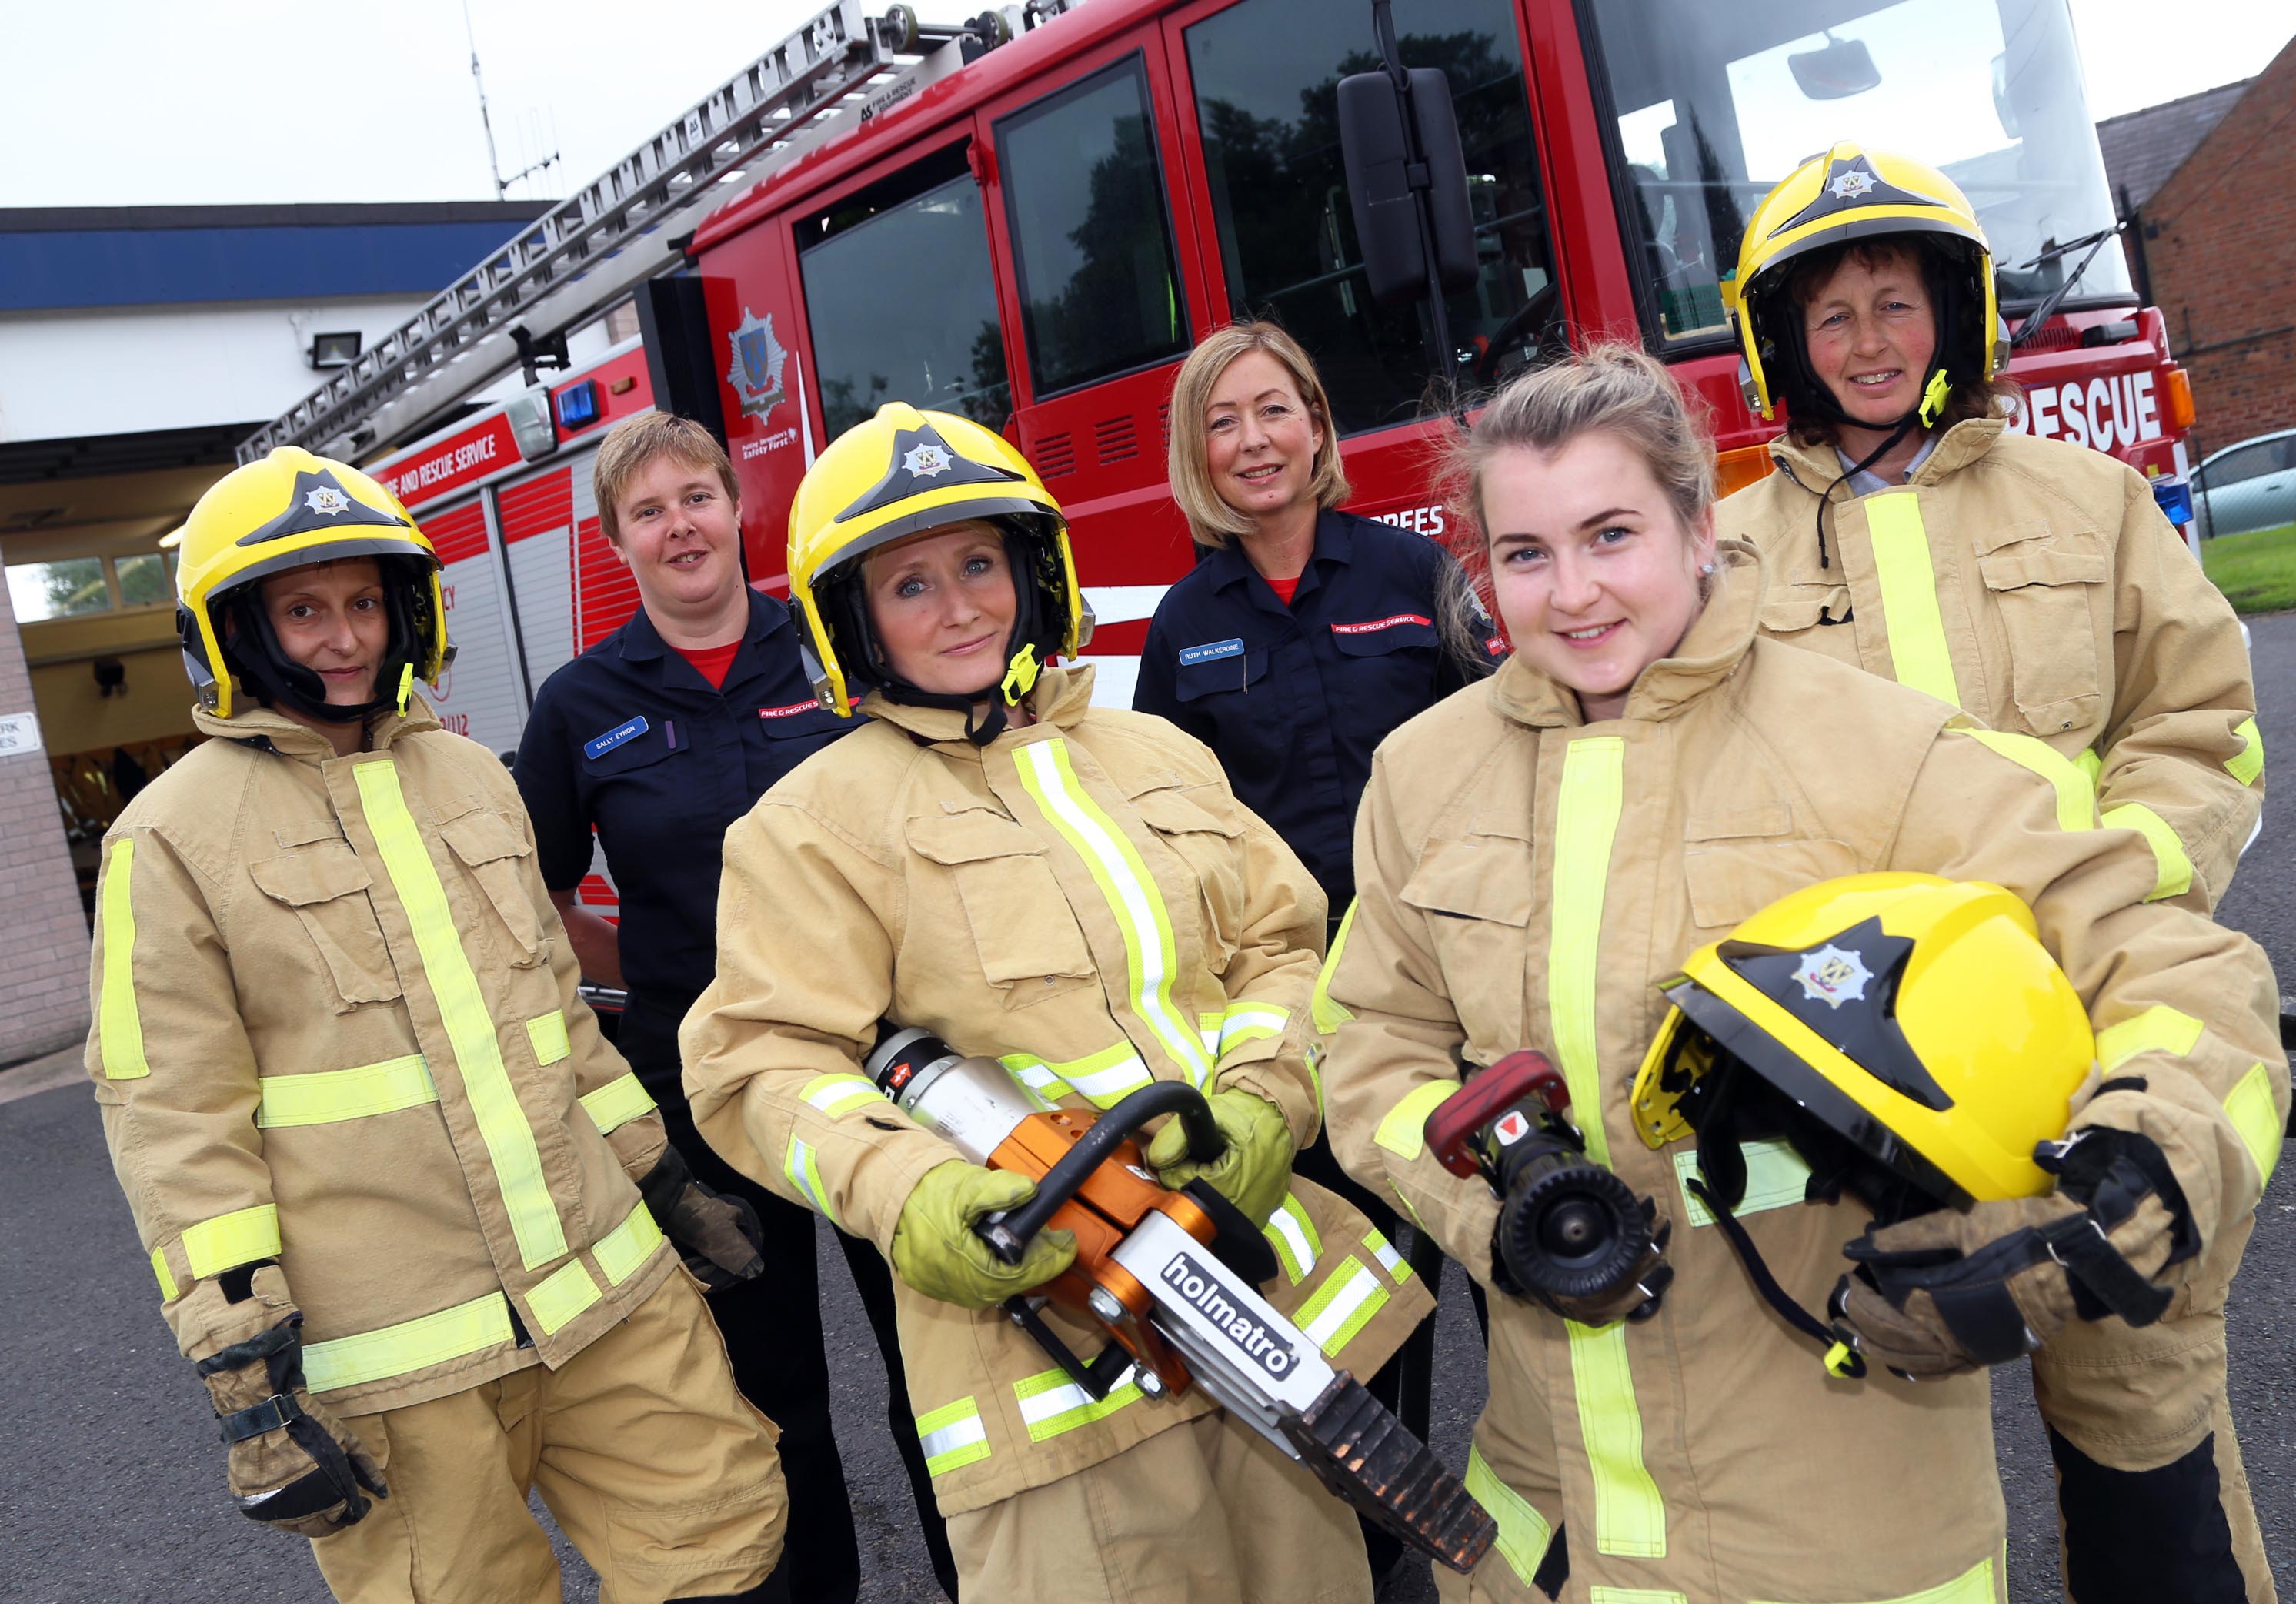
x: 1212, y: 652
x: 599, y: 746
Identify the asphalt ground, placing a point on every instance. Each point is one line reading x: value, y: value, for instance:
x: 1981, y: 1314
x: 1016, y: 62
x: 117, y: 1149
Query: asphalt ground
x: 111, y: 1476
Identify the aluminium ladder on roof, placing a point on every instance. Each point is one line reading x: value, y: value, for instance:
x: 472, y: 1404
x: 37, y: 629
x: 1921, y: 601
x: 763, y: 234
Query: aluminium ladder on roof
x: 592, y: 248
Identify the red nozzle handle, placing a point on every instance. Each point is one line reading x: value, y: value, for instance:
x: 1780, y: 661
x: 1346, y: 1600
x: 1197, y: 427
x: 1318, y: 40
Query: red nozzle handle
x: 1481, y: 1100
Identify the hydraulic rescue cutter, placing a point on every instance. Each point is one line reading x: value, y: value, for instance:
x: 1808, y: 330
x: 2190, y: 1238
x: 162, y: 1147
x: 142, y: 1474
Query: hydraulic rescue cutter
x: 1170, y: 1276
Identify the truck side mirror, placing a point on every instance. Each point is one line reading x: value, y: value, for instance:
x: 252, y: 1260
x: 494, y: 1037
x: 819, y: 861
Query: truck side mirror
x: 1397, y: 146
x: 1835, y: 70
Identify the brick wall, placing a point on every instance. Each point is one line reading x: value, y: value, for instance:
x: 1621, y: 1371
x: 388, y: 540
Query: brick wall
x: 2224, y: 269
x: 43, y: 933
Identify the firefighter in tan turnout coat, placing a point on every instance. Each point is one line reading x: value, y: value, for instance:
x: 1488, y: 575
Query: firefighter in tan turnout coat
x: 1073, y: 890
x: 2035, y: 584
x: 1538, y: 855
x: 387, y: 1173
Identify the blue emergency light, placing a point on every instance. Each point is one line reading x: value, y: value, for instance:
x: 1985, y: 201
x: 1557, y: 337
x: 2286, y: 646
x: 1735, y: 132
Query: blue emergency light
x: 2175, y: 497
x: 578, y: 406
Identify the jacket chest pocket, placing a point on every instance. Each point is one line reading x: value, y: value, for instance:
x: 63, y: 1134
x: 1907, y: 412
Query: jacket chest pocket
x: 493, y: 851
x: 1812, y: 616
x: 1023, y: 934
x: 1739, y: 862
x: 2047, y: 596
x: 1208, y: 846
x: 325, y: 886
x: 1235, y: 691
x: 1477, y: 896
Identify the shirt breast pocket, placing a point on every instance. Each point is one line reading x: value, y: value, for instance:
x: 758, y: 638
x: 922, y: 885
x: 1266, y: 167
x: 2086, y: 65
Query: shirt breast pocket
x: 1025, y: 938
x: 1477, y: 896
x: 2048, y: 592
x: 1738, y: 862
x: 492, y: 851
x: 325, y: 886
x: 1234, y: 686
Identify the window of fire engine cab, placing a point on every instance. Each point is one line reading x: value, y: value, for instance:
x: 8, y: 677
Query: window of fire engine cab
x: 900, y: 299
x: 1716, y: 103
x: 1091, y: 244
x: 1266, y: 76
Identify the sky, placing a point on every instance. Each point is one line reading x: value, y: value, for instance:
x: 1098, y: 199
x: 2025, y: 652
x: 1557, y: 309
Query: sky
x: 154, y: 102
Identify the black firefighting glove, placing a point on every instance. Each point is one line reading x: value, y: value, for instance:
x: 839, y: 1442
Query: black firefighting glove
x: 720, y: 1236
x: 291, y: 1464
x: 1963, y: 1289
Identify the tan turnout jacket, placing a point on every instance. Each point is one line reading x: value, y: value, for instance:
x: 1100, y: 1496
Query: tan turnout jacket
x: 2036, y: 585
x: 1525, y: 880
x: 1084, y: 899
x: 336, y: 1024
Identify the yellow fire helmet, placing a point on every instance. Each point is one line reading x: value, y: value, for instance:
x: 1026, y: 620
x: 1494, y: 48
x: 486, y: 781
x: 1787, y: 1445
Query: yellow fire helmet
x: 1917, y: 1020
x: 1853, y: 193
x: 290, y: 510
x: 902, y: 473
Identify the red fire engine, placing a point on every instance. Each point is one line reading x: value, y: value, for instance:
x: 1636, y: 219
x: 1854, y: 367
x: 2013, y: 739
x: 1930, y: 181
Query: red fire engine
x: 1033, y: 223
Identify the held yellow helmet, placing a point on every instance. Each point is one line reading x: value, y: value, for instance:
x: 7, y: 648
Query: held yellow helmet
x: 1893, y: 1020
x: 902, y: 473
x: 287, y: 511
x: 1847, y: 194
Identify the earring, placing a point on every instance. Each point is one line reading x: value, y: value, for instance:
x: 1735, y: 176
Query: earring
x: 1708, y: 568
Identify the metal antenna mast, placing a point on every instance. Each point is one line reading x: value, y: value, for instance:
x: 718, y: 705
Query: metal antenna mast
x: 493, y: 162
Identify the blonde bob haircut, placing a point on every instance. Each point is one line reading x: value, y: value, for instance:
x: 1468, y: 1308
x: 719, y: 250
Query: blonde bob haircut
x: 636, y: 444
x: 1210, y: 520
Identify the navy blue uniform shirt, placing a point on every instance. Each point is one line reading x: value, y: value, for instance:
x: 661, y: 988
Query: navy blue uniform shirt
x: 630, y: 738
x: 1293, y: 700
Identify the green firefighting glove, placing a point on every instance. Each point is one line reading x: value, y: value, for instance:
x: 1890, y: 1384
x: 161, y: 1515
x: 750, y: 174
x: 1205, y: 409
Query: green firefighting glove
x: 937, y: 1251
x: 720, y: 1236
x: 1254, y: 1171
x: 1962, y: 1288
x: 291, y: 1464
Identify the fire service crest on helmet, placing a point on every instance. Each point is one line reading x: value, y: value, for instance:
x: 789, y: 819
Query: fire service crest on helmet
x: 1832, y: 976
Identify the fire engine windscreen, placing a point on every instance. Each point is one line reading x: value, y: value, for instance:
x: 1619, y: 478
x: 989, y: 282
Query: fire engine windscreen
x: 1716, y: 103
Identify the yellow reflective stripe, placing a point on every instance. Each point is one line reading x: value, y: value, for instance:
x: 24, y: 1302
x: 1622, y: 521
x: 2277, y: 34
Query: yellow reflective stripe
x: 1972, y: 1586
x: 1251, y: 1021
x: 2257, y: 1118
x: 1293, y: 1236
x: 2158, y: 1029
x: 1635, y: 1595
x: 462, y: 1007
x: 121, y: 1022
x: 1523, y: 1531
x: 2090, y: 765
x: 1629, y: 1515
x: 1404, y: 1130
x: 1776, y: 1176
x: 1397, y: 1267
x: 1036, y: 1075
x: 2173, y: 870
x: 1918, y: 654
x: 414, y: 1344
x: 1342, y: 1306
x: 561, y: 1296
x: 1586, y: 818
x: 2250, y: 763
x: 837, y: 1094
x: 239, y: 1237
x: 622, y: 1250
x: 1130, y: 890
x: 616, y: 1103
x: 1050, y: 1404
x: 1106, y: 1077
x: 546, y: 1034
x: 1328, y: 1016
x: 952, y: 1435
x: 803, y: 1172
x: 2076, y: 796
x: 167, y: 1287
x: 344, y: 1094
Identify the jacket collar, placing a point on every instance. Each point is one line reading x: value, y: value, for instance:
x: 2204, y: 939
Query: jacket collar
x: 1718, y: 641
x: 1335, y: 542
x: 1061, y: 697
x: 641, y: 642
x: 1817, y: 467
x: 300, y: 740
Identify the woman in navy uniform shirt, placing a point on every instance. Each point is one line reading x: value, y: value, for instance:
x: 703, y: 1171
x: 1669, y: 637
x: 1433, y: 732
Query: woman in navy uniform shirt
x: 658, y: 738
x: 1300, y: 640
